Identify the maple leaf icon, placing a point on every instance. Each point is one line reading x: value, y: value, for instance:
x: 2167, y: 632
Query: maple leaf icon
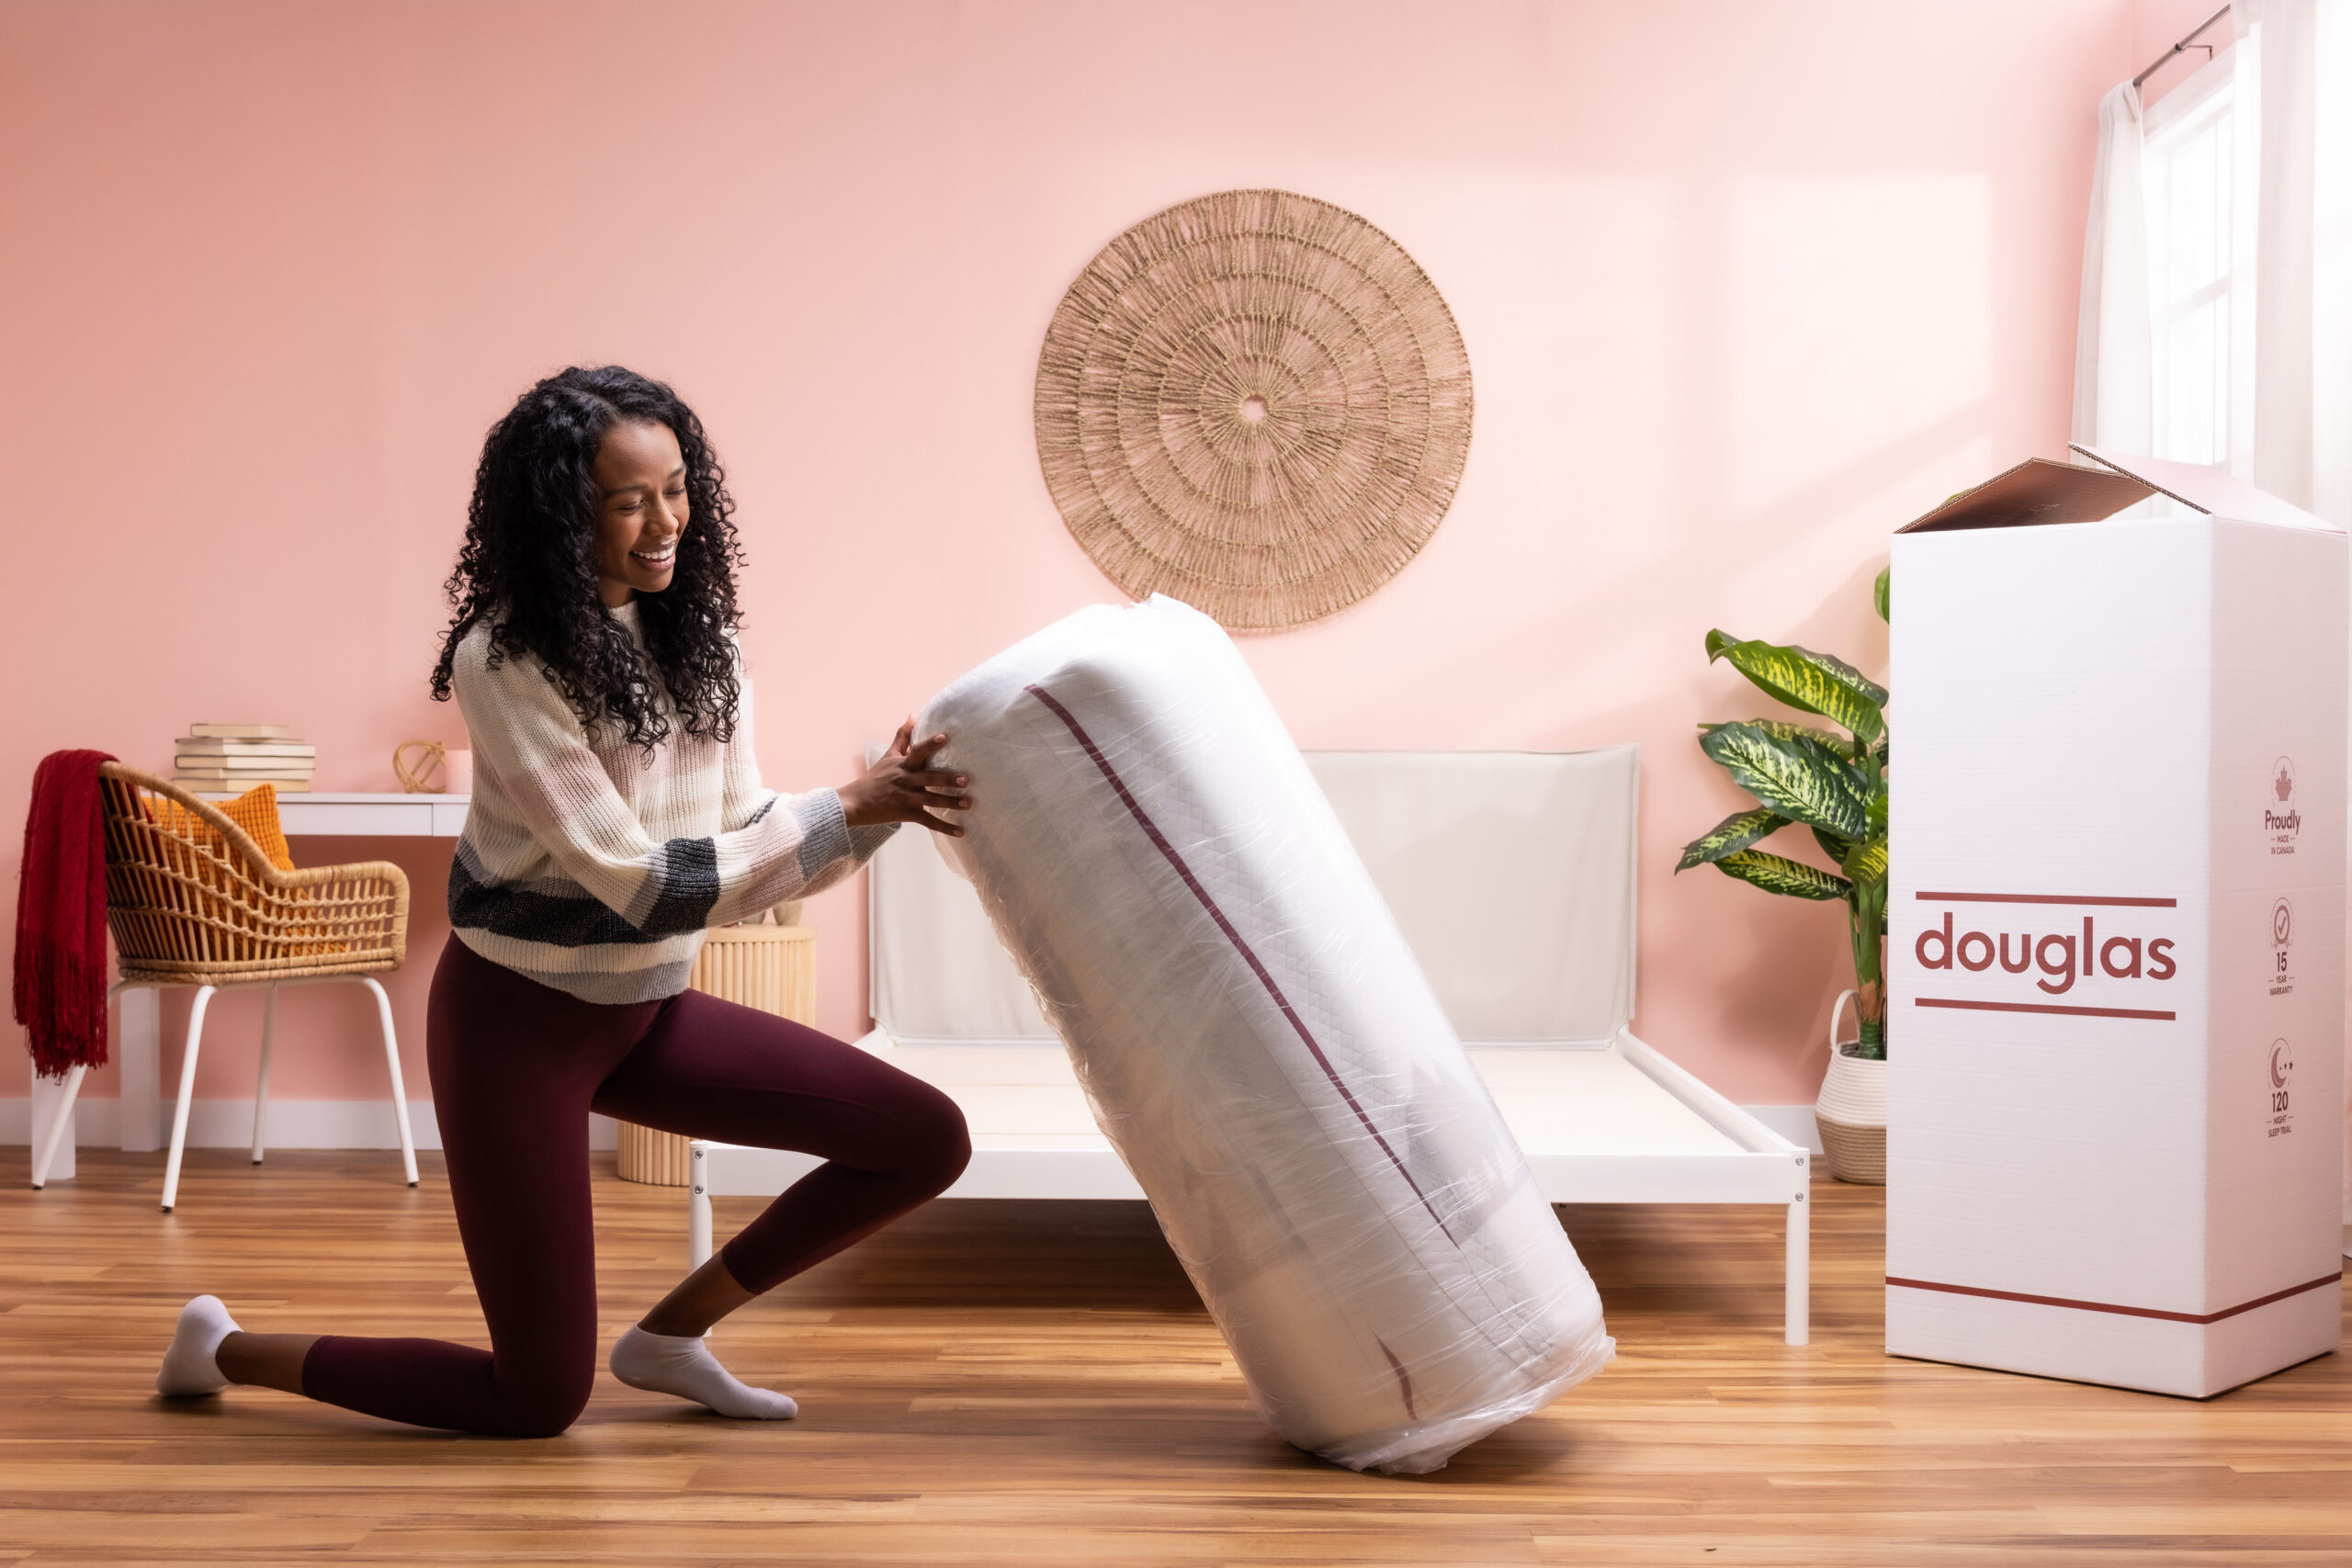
x: 2285, y: 784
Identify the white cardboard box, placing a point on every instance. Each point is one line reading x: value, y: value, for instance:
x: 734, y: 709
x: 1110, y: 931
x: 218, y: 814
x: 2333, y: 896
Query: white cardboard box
x: 2114, y: 1155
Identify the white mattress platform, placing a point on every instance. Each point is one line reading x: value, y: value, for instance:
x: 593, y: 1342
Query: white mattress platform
x: 1512, y: 876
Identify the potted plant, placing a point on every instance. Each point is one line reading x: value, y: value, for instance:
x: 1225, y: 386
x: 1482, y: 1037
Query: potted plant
x: 1835, y: 786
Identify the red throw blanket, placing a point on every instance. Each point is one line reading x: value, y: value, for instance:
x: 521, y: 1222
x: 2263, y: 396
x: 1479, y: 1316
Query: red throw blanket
x: 62, y: 916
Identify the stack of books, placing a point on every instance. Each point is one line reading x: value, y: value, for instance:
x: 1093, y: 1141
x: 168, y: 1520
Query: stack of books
x: 229, y: 758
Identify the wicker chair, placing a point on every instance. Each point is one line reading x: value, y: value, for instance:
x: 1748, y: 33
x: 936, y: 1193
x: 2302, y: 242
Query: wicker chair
x: 193, y: 901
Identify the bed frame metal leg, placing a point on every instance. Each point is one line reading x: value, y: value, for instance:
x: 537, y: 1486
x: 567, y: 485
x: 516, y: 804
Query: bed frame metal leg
x: 697, y: 1207
x: 1800, y: 1263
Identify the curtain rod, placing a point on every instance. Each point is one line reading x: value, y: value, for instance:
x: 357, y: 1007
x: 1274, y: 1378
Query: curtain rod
x: 2182, y: 47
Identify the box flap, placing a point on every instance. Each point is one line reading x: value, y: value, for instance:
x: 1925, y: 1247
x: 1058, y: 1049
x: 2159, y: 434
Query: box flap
x: 2210, y: 490
x: 2036, y: 490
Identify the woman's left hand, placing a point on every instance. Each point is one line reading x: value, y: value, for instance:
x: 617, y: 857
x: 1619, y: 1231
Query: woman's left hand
x: 904, y: 787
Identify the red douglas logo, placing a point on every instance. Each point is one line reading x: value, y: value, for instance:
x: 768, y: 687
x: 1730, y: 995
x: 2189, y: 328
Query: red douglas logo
x: 2114, y: 947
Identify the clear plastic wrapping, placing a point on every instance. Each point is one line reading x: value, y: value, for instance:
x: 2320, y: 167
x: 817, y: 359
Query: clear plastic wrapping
x: 1258, y: 1044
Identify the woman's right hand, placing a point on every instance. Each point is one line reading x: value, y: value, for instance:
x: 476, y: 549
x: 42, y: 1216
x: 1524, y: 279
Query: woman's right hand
x: 904, y: 787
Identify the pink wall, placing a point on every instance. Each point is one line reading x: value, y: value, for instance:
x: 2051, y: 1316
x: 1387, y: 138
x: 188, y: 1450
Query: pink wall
x: 1744, y: 286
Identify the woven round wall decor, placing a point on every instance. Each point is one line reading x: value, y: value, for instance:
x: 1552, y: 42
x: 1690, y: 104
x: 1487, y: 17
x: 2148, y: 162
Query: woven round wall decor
x: 1254, y: 402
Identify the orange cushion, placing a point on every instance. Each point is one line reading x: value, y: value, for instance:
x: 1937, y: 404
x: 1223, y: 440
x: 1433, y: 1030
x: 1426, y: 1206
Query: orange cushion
x: 255, y: 811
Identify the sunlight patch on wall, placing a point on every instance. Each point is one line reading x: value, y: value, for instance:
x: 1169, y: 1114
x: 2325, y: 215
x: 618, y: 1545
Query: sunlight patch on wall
x: 1858, y: 313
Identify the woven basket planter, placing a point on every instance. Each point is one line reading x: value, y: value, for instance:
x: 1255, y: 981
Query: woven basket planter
x: 773, y: 968
x: 1851, y: 1111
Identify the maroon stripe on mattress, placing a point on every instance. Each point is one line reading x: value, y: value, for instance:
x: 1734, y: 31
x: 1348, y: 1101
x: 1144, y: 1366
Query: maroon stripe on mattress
x: 2199, y: 1318
x: 1404, y: 1383
x: 1159, y: 841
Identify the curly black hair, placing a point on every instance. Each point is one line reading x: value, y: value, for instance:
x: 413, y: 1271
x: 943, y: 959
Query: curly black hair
x: 529, y: 564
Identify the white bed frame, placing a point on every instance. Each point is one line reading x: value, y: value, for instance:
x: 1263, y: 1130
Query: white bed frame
x: 1602, y: 1117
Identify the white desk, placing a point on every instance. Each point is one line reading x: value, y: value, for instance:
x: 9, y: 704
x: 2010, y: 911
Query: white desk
x: 304, y: 814
x: 356, y: 815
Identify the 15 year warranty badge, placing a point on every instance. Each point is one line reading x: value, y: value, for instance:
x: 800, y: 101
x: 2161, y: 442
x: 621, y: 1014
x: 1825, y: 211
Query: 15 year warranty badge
x: 2283, y: 940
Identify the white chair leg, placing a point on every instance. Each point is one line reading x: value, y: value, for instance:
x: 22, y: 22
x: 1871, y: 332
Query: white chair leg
x: 47, y: 1150
x: 399, y: 1090
x: 187, y: 1093
x: 261, y: 1080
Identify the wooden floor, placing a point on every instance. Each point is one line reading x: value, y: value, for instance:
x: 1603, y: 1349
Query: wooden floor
x: 1021, y: 1383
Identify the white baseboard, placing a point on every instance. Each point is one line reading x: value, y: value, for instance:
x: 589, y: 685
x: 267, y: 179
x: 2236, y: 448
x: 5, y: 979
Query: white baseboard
x: 293, y: 1124
x: 367, y: 1124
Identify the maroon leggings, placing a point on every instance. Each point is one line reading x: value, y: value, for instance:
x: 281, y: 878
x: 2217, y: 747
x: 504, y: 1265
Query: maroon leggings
x: 516, y: 1067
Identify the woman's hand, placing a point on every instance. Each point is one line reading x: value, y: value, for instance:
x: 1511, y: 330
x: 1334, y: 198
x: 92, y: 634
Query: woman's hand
x: 904, y: 787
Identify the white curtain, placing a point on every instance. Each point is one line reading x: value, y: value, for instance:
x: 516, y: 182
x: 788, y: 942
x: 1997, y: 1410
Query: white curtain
x: 2300, y: 122
x: 2114, y: 386
x: 2302, y: 375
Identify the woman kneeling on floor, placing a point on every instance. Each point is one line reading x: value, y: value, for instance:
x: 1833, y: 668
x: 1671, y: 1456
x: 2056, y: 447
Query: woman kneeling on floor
x: 617, y: 813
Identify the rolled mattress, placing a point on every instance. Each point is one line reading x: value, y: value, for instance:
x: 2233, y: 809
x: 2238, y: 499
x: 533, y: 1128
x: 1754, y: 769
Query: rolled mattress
x: 1258, y: 1044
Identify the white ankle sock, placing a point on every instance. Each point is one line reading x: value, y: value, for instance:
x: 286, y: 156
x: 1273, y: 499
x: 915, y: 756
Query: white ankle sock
x: 684, y: 1365
x: 188, y: 1367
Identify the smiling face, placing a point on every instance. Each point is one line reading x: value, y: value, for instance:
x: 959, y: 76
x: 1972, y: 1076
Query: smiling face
x: 641, y: 510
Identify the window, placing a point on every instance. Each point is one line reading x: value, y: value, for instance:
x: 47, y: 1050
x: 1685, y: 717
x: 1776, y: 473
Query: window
x: 2200, y: 163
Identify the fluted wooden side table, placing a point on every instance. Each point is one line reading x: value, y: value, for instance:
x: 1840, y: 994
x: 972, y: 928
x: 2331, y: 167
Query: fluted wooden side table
x: 773, y: 968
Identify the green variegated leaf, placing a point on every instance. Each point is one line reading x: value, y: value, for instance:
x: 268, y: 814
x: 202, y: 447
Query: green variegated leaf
x: 1783, y: 730
x: 1881, y: 597
x: 1833, y: 846
x: 1812, y: 682
x: 1776, y: 874
x: 1867, y: 860
x: 1844, y: 675
x: 1798, y: 777
x: 1731, y: 835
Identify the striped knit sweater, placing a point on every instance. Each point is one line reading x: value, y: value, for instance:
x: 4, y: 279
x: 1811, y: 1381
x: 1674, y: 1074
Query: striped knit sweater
x: 594, y: 867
